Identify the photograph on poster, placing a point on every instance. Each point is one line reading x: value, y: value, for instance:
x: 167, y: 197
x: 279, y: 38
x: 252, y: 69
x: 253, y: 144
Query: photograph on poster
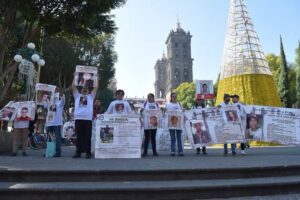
x: 153, y: 121
x: 174, y: 121
x: 7, y: 113
x: 70, y: 132
x: 41, y: 112
x: 106, y: 134
x: 119, y: 107
x: 200, y: 134
x: 83, y: 101
x: 85, y: 79
x: 254, y: 129
x: 23, y: 114
x: 231, y: 116
x: 43, y: 97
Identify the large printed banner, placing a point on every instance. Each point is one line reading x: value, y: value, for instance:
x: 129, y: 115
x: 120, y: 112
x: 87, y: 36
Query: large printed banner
x: 275, y: 124
x: 118, y: 136
x: 85, y: 76
x: 8, y: 112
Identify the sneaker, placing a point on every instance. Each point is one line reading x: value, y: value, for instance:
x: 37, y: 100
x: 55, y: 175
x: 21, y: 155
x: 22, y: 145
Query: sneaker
x: 155, y: 154
x: 180, y: 154
x: 24, y: 154
x: 77, y: 156
x: 204, y: 153
x: 88, y: 156
x: 172, y: 154
x: 144, y: 154
x: 243, y: 152
x: 225, y: 153
x: 233, y: 153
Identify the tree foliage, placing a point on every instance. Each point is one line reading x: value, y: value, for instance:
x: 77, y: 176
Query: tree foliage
x: 297, y: 69
x: 283, y: 82
x: 186, y: 94
x: 22, y: 21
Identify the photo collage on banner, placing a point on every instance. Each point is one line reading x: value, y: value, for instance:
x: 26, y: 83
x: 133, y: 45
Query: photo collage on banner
x: 85, y: 76
x: 25, y: 110
x: 118, y: 136
x: 152, y: 119
x: 45, y: 105
x: 204, y: 89
x: 273, y: 124
x: 8, y: 112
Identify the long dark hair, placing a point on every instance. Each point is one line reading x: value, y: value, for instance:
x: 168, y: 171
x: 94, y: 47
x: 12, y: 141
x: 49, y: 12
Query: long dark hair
x: 171, y: 96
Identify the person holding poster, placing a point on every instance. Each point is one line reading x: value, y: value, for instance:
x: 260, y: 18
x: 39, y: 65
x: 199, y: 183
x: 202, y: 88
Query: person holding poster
x: 150, y: 131
x: 83, y: 115
x: 175, y: 133
x: 241, y: 112
x: 226, y: 102
x: 119, y: 106
x: 199, y: 103
x: 55, y: 125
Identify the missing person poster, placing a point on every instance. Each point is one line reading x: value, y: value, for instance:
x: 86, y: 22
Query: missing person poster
x: 44, y: 98
x: 86, y: 76
x: 8, y: 112
x: 152, y: 119
x: 204, y: 89
x: 25, y: 110
x: 69, y: 130
x: 174, y: 120
x: 118, y: 136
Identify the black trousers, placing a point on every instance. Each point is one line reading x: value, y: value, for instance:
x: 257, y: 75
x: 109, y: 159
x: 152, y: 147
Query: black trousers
x: 83, y: 130
x: 243, y: 146
x: 203, y: 149
x: 151, y: 133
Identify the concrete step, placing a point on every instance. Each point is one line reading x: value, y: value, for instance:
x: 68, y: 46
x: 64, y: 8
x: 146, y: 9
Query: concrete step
x: 173, y: 189
x: 14, y: 175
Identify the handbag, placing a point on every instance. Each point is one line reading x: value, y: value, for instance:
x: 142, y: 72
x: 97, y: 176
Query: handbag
x: 51, y: 146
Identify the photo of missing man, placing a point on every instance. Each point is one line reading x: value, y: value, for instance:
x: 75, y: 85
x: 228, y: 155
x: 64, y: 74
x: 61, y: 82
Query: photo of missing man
x: 200, y: 134
x: 119, y: 107
x: 174, y: 122
x: 23, y: 115
x: 106, y: 135
x: 43, y: 97
x: 254, y: 129
x: 7, y: 113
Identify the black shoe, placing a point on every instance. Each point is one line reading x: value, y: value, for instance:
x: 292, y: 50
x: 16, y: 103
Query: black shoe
x: 24, y: 154
x: 88, y: 156
x: 180, y: 154
x: 144, y: 154
x: 57, y: 155
x: 13, y: 154
x: 155, y: 154
x: 204, y: 153
x: 225, y: 153
x: 172, y: 154
x: 77, y: 155
x: 233, y: 153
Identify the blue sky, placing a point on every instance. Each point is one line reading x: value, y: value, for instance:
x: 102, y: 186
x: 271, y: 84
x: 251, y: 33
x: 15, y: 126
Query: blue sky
x: 143, y: 27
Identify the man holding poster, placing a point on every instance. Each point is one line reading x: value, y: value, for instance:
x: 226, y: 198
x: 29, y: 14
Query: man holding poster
x: 83, y: 115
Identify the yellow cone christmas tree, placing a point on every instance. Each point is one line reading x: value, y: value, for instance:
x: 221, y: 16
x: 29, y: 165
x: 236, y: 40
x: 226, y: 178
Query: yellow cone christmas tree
x: 245, y: 70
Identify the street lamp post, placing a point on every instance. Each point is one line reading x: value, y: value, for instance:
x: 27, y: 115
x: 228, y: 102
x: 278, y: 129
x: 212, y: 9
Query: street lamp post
x: 26, y: 57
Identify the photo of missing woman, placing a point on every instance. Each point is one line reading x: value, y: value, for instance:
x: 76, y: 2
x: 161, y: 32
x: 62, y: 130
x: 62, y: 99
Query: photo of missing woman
x: 85, y: 79
x: 231, y: 116
x: 7, y: 113
x: 174, y: 121
x: 254, y: 127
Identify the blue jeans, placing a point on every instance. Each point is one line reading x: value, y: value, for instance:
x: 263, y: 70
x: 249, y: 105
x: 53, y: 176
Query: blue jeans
x: 57, y: 131
x: 176, y: 133
x: 232, y: 147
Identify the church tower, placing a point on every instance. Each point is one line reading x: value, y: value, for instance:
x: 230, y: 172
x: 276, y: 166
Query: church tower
x: 245, y: 70
x: 177, y: 67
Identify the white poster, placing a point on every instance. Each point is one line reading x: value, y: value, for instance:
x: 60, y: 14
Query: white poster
x: 174, y: 120
x: 8, y: 112
x: 25, y: 110
x: 204, y: 89
x: 152, y: 119
x: 44, y: 98
x: 118, y: 136
x: 69, y: 130
x: 163, y: 139
x: 85, y: 76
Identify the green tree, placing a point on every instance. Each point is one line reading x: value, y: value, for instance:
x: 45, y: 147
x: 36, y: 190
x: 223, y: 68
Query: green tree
x: 186, y: 94
x: 274, y: 64
x: 32, y: 20
x: 298, y: 76
x: 283, y: 82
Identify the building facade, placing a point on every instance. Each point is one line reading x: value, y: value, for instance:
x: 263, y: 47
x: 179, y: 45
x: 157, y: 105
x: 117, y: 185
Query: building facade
x: 177, y: 66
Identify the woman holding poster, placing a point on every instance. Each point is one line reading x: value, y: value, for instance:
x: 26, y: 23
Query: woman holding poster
x: 150, y: 124
x: 175, y: 132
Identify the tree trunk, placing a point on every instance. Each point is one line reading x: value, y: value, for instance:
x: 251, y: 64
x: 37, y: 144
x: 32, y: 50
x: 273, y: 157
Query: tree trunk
x: 8, y: 82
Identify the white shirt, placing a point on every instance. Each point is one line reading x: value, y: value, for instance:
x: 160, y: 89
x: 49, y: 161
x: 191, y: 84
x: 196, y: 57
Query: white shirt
x: 59, y: 103
x: 84, y: 106
x: 173, y: 106
x: 151, y: 106
x: 119, y: 107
